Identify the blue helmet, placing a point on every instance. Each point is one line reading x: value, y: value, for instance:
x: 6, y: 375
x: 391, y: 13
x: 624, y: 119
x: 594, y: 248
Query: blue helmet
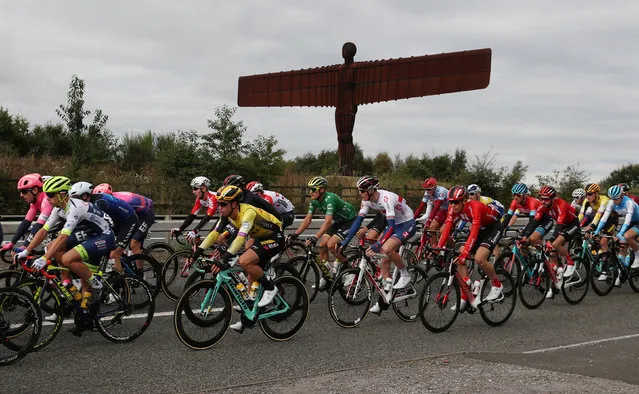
x: 520, y: 188
x: 615, y: 192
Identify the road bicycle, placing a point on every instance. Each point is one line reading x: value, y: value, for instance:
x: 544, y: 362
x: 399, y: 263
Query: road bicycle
x: 204, y: 312
x: 608, y: 269
x: 440, y: 299
x: 20, y: 324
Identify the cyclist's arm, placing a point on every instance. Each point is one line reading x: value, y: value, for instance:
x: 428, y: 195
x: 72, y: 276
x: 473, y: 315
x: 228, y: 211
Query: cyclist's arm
x: 420, y: 208
x: 57, y: 245
x: 448, y: 224
x: 304, y: 225
x: 247, y: 224
x: 605, y: 216
x: 22, y: 229
x: 325, y: 226
x: 533, y: 223
x: 42, y: 233
x: 356, y: 224
x: 202, y: 222
x: 630, y: 208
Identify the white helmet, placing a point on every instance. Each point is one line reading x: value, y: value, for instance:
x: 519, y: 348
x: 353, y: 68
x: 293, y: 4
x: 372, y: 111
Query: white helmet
x: 200, y: 181
x: 473, y: 188
x: 578, y: 193
x: 78, y: 189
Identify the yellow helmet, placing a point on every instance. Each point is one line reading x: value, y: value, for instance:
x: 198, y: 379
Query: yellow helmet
x: 592, y: 188
x: 229, y: 193
x: 318, y: 181
x: 57, y: 184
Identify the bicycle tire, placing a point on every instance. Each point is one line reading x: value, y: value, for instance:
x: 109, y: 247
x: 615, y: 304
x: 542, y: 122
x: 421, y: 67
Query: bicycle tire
x: 10, y: 278
x: 633, y: 278
x: 50, y: 329
x: 20, y: 324
x: 408, y: 308
x: 408, y: 257
x: 604, y: 263
x: 185, y: 312
x: 160, y: 251
x: 150, y: 272
x: 5, y: 256
x: 511, y: 261
x: 533, y: 285
x: 173, y: 285
x: 490, y: 312
x: 575, y: 288
x: 308, y: 272
x: 291, y: 250
x: 293, y: 292
x: 357, y: 301
x: 112, y: 314
x: 436, y: 298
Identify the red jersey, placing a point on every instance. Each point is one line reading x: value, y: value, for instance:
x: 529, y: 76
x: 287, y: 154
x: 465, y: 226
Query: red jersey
x: 560, y: 210
x: 209, y: 201
x: 530, y: 206
x: 476, y: 213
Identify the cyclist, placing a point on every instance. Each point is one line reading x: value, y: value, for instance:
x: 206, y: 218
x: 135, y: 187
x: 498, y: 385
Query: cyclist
x: 567, y: 226
x: 401, y: 226
x: 125, y: 222
x: 30, y: 188
x: 285, y: 207
x: 524, y: 203
x: 249, y: 197
x: 578, y: 198
x: 339, y: 218
x: 625, y: 207
x: 626, y: 189
x: 436, y: 207
x: 203, y: 198
x: 86, y: 236
x: 264, y: 228
x: 143, y: 208
x: 485, y: 232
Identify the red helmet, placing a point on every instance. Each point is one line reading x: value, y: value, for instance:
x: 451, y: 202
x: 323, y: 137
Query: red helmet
x: 254, y: 186
x: 430, y: 183
x: 457, y: 193
x: 103, y: 188
x: 547, y: 192
x: 30, y: 180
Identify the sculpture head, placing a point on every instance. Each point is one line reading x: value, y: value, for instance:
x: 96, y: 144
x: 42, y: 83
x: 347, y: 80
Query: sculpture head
x: 348, y: 52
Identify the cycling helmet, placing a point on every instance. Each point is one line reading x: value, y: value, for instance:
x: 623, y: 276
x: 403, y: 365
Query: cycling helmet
x: 615, y: 192
x: 457, y: 193
x: 624, y: 187
x: 103, y: 188
x: 520, y: 188
x: 254, y: 186
x: 56, y: 184
x: 200, y: 181
x: 430, y: 183
x: 592, y: 188
x: 473, y: 188
x: 229, y: 193
x: 235, y: 180
x: 317, y: 181
x: 367, y: 182
x: 547, y: 192
x: 578, y: 194
x: 30, y: 180
x: 78, y: 189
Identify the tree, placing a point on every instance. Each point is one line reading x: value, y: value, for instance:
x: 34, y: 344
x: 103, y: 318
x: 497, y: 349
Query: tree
x: 572, y: 178
x: 135, y: 152
x: 483, y: 172
x: 178, y: 156
x: 628, y: 173
x: 90, y: 143
x: 14, y: 133
x: 515, y: 175
x: 224, y: 144
x: 263, y: 161
x: 382, y: 164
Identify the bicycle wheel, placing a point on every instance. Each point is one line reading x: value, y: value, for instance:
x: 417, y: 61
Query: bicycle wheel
x: 406, y: 301
x: 200, y: 320
x: 533, y: 285
x: 408, y: 257
x: 146, y: 268
x: 292, y: 294
x: 160, y: 251
x: 439, y: 302
x: 20, y: 324
x: 633, y: 279
x: 293, y: 249
x: 10, y: 278
x: 603, y: 273
x: 308, y: 272
x: 51, y: 307
x: 496, y: 313
x: 509, y: 263
x: 174, y: 275
x: 349, y: 298
x: 575, y: 288
x: 125, y: 309
x: 6, y: 257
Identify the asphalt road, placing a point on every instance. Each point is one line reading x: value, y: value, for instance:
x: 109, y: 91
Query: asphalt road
x: 591, y: 347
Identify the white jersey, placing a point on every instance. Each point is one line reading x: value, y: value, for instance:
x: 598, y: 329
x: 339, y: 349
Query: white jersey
x: 281, y: 203
x: 81, y: 213
x: 391, y: 205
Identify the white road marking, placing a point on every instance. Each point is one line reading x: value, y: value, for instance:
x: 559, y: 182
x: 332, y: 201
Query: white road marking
x: 136, y: 316
x: 580, y: 344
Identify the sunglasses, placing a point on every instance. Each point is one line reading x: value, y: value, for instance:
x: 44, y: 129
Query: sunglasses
x: 518, y: 195
x: 51, y: 195
x: 455, y: 202
x: 545, y: 198
x: 472, y: 194
x: 223, y: 204
x: 196, y: 188
x: 591, y: 194
x: 314, y: 189
x: 24, y: 191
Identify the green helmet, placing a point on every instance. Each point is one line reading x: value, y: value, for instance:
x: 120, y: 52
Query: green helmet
x: 318, y: 181
x: 57, y: 184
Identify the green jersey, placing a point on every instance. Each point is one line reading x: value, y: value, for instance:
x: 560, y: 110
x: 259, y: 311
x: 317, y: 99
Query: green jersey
x: 331, y: 204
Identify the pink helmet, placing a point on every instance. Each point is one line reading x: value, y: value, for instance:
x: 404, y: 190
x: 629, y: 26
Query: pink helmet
x: 103, y: 188
x: 30, y: 180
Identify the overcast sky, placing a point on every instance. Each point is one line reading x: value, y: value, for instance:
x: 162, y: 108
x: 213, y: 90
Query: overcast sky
x: 564, y: 85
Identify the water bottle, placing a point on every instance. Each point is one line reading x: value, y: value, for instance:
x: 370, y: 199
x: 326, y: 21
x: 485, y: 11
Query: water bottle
x: 242, y: 289
x: 626, y: 261
x: 253, y: 292
x: 74, y: 291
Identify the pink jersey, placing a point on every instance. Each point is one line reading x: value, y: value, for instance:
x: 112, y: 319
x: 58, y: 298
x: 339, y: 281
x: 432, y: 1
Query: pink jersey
x: 138, y: 202
x: 41, y: 208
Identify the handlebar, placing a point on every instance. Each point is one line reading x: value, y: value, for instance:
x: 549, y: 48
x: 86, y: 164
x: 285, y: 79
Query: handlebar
x: 30, y: 270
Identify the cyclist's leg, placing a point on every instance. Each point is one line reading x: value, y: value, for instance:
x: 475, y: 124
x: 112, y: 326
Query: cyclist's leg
x: 137, y: 241
x: 124, y: 234
x: 631, y: 238
x: 94, y: 247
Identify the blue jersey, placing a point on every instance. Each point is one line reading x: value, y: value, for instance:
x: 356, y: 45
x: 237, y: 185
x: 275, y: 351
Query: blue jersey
x: 119, y: 210
x: 627, y: 209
